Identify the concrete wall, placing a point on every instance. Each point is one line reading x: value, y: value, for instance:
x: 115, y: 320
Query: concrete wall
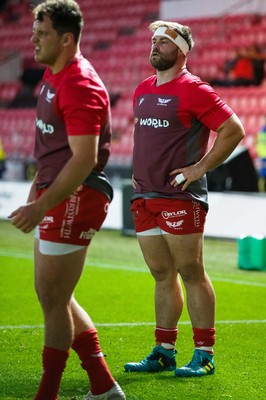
x: 180, y: 9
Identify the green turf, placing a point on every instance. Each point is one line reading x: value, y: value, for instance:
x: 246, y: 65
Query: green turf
x: 116, y: 288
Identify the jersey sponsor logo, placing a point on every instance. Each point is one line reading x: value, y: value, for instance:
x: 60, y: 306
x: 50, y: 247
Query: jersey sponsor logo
x: 175, y: 225
x: 45, y: 227
x: 154, y: 122
x: 196, y: 212
x: 72, y: 209
x: 88, y: 235
x: 48, y: 219
x: 49, y: 96
x: 173, y: 214
x: 163, y: 102
x: 45, y: 128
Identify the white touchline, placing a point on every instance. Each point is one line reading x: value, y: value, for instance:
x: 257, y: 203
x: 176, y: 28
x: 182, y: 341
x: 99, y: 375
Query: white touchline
x: 145, y: 270
x: 135, y: 324
x: 133, y: 269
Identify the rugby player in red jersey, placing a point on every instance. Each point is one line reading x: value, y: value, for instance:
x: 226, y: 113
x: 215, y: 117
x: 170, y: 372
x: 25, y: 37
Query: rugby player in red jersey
x: 70, y: 195
x: 174, y: 113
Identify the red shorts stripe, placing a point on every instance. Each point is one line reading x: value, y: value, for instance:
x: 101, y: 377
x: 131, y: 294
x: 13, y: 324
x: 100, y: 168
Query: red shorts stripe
x: 177, y: 217
x: 76, y: 219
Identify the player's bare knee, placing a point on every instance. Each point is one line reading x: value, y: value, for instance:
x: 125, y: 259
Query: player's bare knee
x: 192, y: 274
x: 163, y: 274
x: 51, y: 298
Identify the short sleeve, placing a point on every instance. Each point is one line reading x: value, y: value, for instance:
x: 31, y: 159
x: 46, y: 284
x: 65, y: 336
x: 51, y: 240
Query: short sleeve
x: 81, y: 105
x: 207, y: 106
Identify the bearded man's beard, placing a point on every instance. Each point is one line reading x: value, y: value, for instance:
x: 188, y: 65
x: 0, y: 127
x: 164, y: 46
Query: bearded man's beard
x: 161, y: 63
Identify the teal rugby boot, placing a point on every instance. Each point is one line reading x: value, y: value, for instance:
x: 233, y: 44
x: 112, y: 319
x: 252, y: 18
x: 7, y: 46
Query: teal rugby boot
x: 201, y: 364
x: 158, y: 360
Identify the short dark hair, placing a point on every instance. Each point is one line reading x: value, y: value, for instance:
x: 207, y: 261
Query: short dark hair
x: 65, y: 15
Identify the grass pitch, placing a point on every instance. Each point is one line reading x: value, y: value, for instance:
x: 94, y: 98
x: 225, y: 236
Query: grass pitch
x: 117, y: 291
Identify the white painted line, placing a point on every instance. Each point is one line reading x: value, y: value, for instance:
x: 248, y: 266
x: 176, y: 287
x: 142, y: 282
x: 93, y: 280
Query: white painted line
x: 136, y: 324
x: 146, y: 270
x: 134, y: 269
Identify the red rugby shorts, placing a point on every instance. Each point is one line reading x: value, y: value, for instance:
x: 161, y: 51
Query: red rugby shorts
x: 178, y: 217
x: 76, y: 219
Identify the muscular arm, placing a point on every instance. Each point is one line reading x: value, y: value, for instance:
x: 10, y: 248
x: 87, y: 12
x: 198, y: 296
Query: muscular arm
x: 78, y: 167
x: 229, y: 134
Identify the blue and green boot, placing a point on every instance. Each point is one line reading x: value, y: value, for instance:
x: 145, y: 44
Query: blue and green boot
x: 158, y: 360
x: 201, y: 364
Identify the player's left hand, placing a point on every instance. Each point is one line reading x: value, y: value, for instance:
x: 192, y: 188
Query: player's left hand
x: 190, y: 174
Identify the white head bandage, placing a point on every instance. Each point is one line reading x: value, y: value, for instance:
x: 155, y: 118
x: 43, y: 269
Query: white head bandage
x: 173, y: 36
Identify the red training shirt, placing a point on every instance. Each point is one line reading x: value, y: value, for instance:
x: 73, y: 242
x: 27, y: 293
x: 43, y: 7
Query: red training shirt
x: 172, y: 128
x: 72, y: 102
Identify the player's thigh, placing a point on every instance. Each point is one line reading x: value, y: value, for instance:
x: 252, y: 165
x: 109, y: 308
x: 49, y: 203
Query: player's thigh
x: 57, y: 276
x: 187, y: 253
x: 156, y: 253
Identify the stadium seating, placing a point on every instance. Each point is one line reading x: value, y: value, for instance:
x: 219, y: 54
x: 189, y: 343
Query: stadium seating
x: 8, y: 92
x: 17, y: 131
x: 117, y: 42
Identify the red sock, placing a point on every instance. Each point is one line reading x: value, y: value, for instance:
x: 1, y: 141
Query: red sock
x: 87, y: 346
x: 54, y: 362
x: 166, y: 336
x: 204, y: 338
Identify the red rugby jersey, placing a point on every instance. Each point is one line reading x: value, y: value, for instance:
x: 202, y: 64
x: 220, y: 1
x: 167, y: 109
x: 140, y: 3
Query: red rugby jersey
x: 71, y: 102
x: 172, y: 127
